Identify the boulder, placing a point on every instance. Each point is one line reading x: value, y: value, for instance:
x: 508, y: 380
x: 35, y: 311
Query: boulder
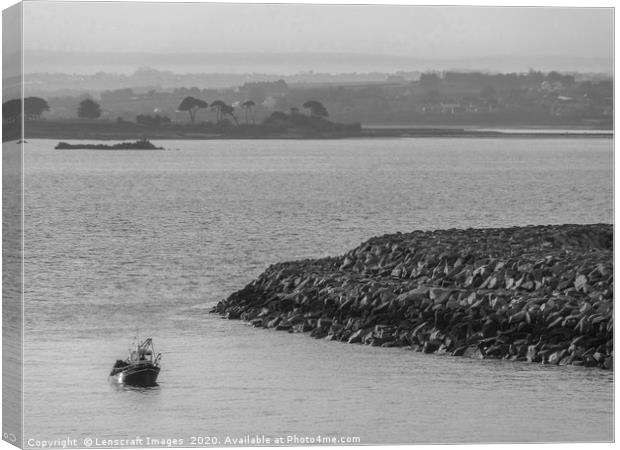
x: 431, y: 346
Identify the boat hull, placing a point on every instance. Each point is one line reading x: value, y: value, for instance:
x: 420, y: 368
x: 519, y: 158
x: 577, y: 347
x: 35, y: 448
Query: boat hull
x: 137, y: 375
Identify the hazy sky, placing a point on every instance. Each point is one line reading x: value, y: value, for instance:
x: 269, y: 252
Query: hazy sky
x: 423, y: 32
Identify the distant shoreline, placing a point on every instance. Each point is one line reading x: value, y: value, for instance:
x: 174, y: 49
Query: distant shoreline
x: 111, y: 131
x: 480, y: 133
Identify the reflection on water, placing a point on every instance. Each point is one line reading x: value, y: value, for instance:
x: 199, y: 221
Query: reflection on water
x: 123, y: 387
x: 151, y: 240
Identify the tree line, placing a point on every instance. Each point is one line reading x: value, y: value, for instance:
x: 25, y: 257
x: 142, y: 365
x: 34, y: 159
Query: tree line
x: 222, y: 110
x: 34, y: 107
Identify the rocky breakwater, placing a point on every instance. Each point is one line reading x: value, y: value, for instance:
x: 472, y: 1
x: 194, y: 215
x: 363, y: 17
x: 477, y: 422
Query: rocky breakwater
x: 538, y: 293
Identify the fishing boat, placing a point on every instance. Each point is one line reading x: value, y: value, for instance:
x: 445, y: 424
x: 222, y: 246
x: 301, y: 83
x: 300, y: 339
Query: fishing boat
x: 141, y: 368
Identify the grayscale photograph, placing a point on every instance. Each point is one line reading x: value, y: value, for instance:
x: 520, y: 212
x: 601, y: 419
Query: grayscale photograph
x: 262, y: 225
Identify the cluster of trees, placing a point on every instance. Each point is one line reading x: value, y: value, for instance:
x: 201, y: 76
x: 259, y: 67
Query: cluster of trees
x: 33, y: 108
x: 221, y: 108
x: 317, y: 110
x: 496, y: 80
x: 224, y: 110
x: 192, y: 105
x: 89, y: 109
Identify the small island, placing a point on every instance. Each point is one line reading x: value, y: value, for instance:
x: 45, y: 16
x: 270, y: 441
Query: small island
x: 142, y: 144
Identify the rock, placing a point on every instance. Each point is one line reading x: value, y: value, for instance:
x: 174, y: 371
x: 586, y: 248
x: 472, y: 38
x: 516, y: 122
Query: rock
x: 473, y: 352
x: 348, y: 262
x: 589, y: 361
x: 274, y: 322
x: 460, y: 351
x: 439, y: 295
x: 489, y: 328
x: 581, y: 283
x: 431, y: 346
x: 556, y: 357
x: 295, y: 319
x: 284, y: 326
x: 302, y: 327
x: 518, y: 317
x: 532, y: 354
x: 324, y: 323
x: 474, y: 339
x: 356, y: 337
x: 318, y: 333
x: 496, y: 351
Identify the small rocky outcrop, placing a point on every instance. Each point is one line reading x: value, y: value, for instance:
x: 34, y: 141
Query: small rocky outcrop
x: 142, y: 144
x: 538, y: 293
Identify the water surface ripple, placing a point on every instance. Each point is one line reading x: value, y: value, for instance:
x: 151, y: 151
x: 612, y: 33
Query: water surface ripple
x: 119, y: 240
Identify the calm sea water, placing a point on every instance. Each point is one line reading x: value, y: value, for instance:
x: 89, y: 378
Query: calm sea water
x: 127, y: 240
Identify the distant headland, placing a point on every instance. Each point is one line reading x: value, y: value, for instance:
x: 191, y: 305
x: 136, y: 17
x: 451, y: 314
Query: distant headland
x: 448, y: 103
x: 278, y: 129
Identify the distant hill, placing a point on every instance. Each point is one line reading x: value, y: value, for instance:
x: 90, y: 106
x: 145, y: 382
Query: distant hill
x: 288, y: 63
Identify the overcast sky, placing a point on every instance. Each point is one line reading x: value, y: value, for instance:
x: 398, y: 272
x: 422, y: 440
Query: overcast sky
x: 424, y: 32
